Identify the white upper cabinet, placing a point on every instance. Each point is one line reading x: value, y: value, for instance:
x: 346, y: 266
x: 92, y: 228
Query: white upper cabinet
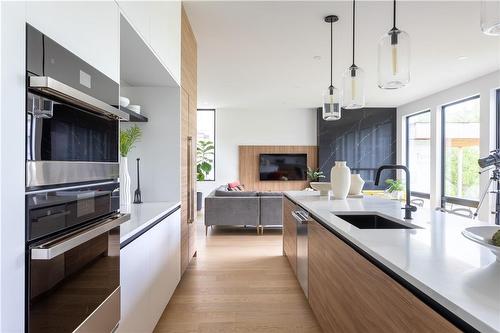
x: 159, y: 25
x: 166, y: 35
x: 90, y: 29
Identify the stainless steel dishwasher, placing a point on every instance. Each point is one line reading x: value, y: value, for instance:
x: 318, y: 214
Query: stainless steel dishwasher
x: 302, y: 218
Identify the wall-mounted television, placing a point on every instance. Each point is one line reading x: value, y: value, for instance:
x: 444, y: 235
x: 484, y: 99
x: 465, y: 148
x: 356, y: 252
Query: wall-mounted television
x: 283, y: 167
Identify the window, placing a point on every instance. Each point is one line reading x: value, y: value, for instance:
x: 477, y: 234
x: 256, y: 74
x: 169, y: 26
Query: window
x: 460, y: 152
x: 205, y: 145
x: 418, y: 152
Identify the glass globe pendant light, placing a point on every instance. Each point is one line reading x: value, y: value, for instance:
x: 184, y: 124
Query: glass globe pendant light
x: 490, y: 17
x: 353, y: 90
x: 331, y: 98
x: 394, y: 57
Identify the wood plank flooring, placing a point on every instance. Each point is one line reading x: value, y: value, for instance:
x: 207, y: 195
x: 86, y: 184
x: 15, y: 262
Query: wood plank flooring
x: 239, y: 282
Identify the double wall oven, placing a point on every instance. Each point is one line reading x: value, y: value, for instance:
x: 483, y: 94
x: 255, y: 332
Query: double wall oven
x: 72, y: 192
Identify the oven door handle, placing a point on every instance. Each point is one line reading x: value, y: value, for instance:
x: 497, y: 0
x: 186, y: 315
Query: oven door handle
x: 55, y: 88
x: 53, y: 248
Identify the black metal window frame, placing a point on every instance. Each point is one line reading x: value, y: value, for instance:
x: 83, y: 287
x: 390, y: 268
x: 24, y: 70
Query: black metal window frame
x: 444, y: 198
x: 497, y: 119
x: 414, y: 193
x: 215, y: 135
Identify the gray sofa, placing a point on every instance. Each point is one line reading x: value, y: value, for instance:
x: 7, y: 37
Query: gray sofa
x: 259, y: 209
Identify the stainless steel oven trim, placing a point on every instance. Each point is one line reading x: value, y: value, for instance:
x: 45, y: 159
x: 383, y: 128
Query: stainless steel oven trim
x: 68, y: 188
x: 53, y: 87
x: 53, y: 248
x: 42, y: 173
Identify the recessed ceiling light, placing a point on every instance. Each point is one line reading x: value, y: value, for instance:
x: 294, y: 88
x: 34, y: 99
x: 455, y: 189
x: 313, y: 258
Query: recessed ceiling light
x: 317, y: 57
x: 463, y: 58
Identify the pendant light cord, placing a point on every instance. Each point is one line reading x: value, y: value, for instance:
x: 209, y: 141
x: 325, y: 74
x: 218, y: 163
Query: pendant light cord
x: 394, y: 15
x: 353, y: 29
x: 331, y: 54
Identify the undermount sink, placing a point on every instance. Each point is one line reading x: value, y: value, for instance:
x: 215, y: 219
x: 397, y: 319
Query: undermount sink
x: 372, y: 221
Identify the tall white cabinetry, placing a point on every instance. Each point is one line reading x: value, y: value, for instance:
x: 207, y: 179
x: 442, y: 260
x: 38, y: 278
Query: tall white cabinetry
x: 149, y: 274
x: 159, y: 25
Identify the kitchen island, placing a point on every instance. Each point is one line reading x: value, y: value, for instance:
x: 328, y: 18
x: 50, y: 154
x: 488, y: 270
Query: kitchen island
x: 455, y: 279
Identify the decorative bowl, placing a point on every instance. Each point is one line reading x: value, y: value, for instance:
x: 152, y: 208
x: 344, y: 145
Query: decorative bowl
x: 124, y: 101
x: 322, y: 187
x: 135, y: 108
x: 482, y: 235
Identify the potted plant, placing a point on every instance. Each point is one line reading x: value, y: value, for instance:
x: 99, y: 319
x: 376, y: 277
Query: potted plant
x: 128, y: 138
x: 395, y: 189
x: 205, y: 151
x: 314, y: 176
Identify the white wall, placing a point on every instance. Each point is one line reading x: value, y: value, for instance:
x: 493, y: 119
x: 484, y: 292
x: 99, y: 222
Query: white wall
x: 159, y: 147
x: 485, y: 86
x: 262, y: 126
x: 12, y: 124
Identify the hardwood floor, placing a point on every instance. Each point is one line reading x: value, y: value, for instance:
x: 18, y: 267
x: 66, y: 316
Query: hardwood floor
x: 239, y: 282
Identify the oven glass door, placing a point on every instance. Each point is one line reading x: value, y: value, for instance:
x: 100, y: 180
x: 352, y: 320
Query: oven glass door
x: 57, y: 131
x: 53, y: 211
x: 65, y: 290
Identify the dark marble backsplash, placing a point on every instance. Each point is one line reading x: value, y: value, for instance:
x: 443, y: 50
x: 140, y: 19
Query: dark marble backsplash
x: 365, y: 138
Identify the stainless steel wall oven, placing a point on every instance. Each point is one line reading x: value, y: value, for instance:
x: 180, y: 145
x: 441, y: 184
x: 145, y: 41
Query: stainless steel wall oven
x: 72, y: 192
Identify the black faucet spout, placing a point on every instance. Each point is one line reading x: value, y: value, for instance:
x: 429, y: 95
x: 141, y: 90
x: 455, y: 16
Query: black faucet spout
x: 408, y: 207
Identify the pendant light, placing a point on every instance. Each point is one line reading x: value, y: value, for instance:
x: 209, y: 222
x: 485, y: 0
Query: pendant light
x: 353, y: 90
x: 490, y: 17
x: 394, y: 57
x: 331, y: 98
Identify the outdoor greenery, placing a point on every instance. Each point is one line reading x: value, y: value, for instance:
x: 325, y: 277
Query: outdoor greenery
x: 470, y: 171
x: 394, y: 185
x: 314, y: 175
x: 128, y: 138
x: 205, y: 152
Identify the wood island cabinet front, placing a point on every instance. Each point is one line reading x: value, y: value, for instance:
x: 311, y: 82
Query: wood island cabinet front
x: 349, y: 294
x: 290, y: 234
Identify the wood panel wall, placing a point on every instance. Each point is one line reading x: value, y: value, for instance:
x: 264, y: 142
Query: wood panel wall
x: 188, y: 147
x: 249, y: 167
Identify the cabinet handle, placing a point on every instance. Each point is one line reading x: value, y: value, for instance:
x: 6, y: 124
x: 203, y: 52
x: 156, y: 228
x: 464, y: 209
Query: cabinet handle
x: 190, y: 180
x: 301, y: 216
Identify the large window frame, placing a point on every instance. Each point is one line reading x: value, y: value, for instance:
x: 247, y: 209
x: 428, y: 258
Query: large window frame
x: 497, y: 220
x: 444, y: 198
x: 215, y: 138
x: 414, y: 193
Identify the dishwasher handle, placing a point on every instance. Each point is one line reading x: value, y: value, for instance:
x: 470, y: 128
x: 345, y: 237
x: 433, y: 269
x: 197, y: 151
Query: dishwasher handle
x: 301, y: 216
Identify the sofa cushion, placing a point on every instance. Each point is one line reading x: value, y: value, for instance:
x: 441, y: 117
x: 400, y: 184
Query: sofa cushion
x: 226, y: 193
x: 270, y: 194
x: 233, y: 184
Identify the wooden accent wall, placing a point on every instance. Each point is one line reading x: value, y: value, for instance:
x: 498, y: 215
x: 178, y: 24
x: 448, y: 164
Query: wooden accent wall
x: 249, y: 167
x: 188, y: 141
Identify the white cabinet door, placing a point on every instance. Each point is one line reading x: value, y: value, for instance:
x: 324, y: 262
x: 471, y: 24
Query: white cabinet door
x: 90, y: 29
x: 150, y: 272
x: 165, y: 264
x: 138, y: 14
x: 166, y: 35
x: 135, y: 280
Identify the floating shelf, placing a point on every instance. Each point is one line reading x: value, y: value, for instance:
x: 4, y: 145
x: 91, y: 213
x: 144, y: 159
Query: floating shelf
x: 134, y: 116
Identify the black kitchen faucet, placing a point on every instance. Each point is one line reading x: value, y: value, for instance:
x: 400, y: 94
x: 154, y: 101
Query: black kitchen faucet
x: 408, y: 207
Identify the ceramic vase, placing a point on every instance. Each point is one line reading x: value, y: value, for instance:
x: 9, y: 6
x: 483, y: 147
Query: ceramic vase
x: 340, y: 177
x: 125, y: 192
x: 357, y: 184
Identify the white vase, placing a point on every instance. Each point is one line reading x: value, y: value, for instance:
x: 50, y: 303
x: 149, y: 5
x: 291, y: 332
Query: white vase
x: 125, y: 192
x: 357, y: 184
x: 340, y: 176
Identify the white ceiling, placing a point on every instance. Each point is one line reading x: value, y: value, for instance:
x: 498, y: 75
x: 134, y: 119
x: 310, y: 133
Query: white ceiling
x: 255, y: 54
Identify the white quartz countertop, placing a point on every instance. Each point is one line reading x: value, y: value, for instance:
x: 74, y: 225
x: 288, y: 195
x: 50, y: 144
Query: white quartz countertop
x: 459, y: 274
x: 142, y: 215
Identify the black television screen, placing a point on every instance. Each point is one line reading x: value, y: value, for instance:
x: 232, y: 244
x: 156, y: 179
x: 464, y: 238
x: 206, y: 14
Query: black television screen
x: 283, y: 167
